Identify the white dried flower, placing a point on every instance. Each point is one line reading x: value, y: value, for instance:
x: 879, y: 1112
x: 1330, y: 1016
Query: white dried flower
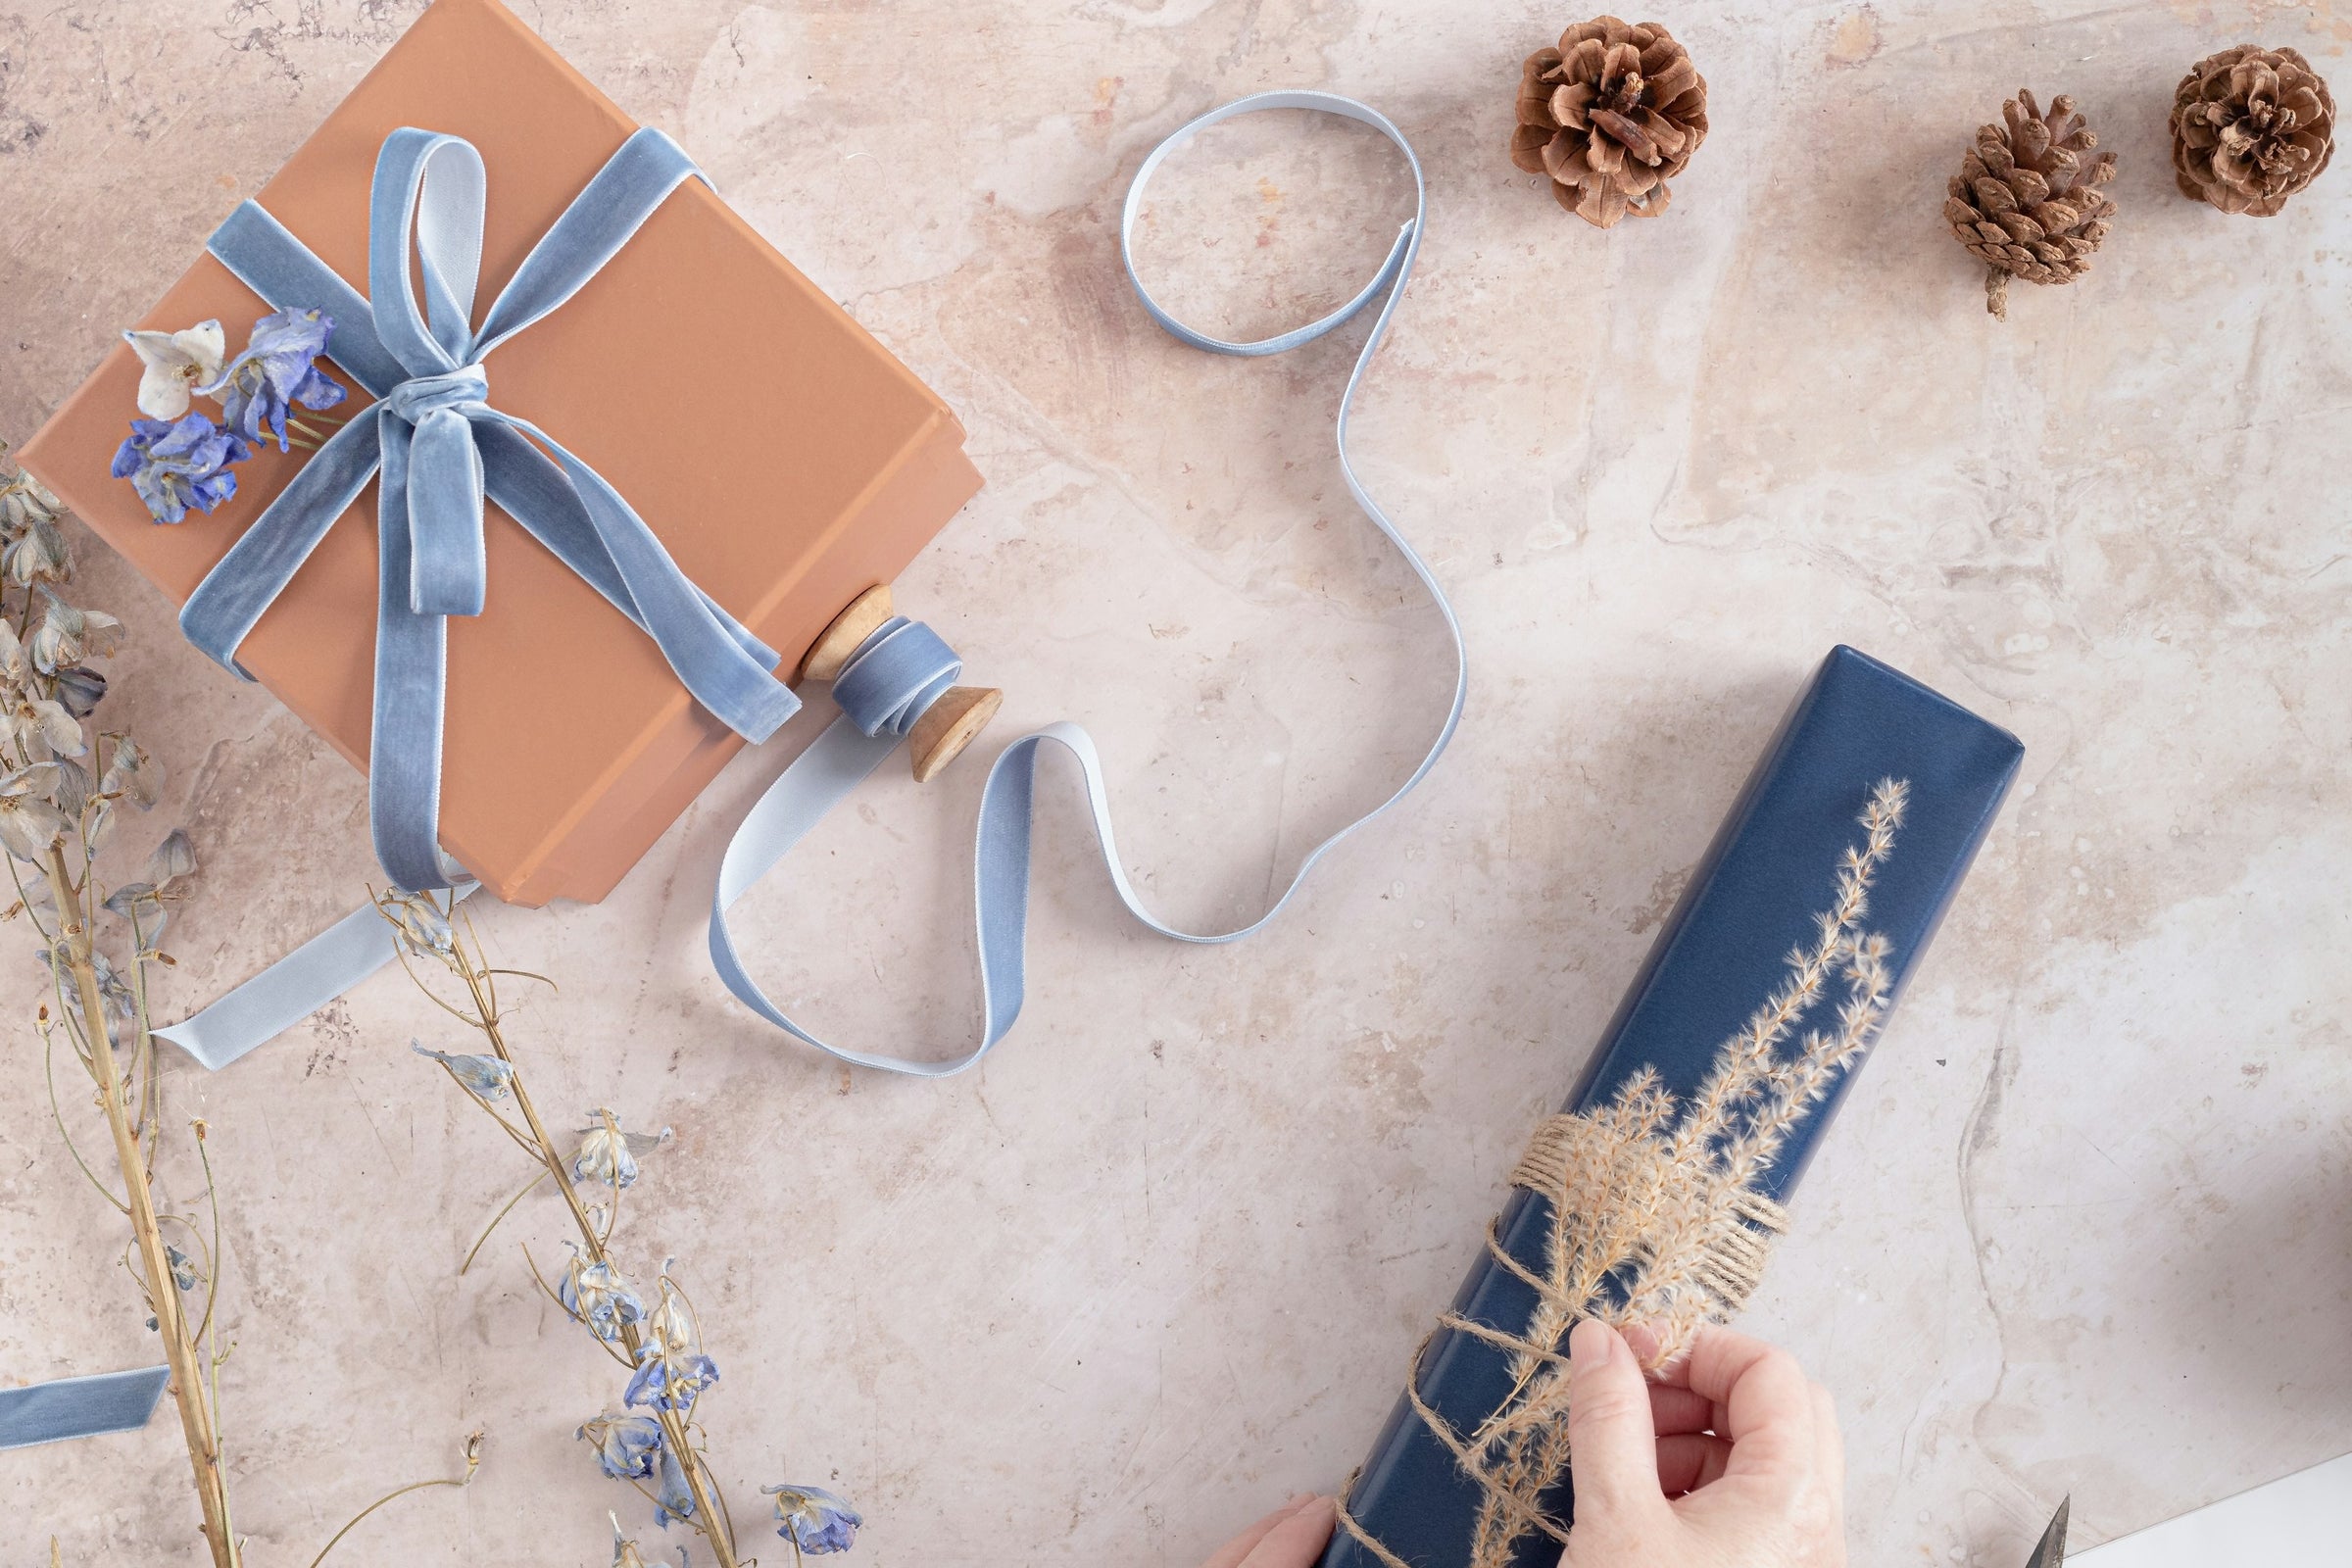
x: 25, y: 500
x: 418, y: 925
x: 15, y: 661
x: 29, y: 824
x: 38, y: 555
x: 173, y: 859
x: 67, y: 636
x: 39, y: 727
x: 175, y: 365
x: 132, y: 774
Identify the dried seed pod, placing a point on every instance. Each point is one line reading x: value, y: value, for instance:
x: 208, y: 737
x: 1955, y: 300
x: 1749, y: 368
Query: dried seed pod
x: 2251, y: 126
x: 2026, y: 201
x: 1610, y: 115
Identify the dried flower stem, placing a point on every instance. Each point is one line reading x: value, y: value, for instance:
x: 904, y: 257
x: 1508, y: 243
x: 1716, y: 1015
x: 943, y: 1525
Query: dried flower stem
x: 189, y: 1382
x: 481, y: 985
x: 473, y: 1463
x: 54, y: 813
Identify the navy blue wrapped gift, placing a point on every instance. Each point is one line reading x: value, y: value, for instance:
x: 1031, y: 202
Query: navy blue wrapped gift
x: 1655, y: 1193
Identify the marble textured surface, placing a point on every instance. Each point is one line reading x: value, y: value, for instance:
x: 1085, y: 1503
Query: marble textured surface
x: 2086, y: 1225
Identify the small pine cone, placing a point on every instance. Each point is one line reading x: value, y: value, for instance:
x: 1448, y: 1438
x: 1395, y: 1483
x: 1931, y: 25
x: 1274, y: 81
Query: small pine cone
x: 2251, y: 126
x: 1610, y: 115
x: 2026, y: 199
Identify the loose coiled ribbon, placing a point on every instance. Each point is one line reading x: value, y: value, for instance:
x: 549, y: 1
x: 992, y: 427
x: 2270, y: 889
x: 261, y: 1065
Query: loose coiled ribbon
x: 880, y: 696
x: 894, y: 675
x: 441, y: 447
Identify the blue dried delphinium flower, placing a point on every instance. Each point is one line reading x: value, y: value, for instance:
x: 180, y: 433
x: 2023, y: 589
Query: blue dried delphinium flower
x: 183, y: 1268
x: 597, y: 1295
x: 179, y: 463
x: 79, y: 690
x: 485, y: 1077
x: 813, y: 1520
x: 625, y: 1444
x: 278, y: 368
x: 667, y: 1379
x: 676, y: 1498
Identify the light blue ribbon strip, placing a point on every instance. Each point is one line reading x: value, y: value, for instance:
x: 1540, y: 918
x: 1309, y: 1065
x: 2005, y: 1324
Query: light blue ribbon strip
x: 441, y: 447
x: 885, y: 686
x: 894, y: 675
x: 79, y: 1407
x: 293, y: 987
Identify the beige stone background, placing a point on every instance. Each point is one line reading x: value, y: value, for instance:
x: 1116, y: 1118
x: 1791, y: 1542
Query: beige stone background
x: 2085, y: 1227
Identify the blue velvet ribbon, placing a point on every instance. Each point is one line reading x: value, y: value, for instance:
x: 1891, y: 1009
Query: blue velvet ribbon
x: 440, y: 447
x: 891, y: 680
x: 79, y: 1407
x: 894, y: 675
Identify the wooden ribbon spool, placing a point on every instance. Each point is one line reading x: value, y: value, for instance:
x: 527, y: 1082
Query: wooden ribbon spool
x: 946, y: 726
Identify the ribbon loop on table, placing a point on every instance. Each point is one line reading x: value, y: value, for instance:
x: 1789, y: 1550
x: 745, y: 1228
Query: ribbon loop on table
x: 441, y: 448
x: 853, y: 745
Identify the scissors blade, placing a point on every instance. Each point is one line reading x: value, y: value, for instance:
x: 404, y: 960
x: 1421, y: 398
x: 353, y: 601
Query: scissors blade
x: 2052, y: 1550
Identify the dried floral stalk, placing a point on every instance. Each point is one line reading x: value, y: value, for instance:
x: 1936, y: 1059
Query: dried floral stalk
x: 661, y: 1347
x: 1654, y: 1216
x: 56, y: 813
x: 53, y: 816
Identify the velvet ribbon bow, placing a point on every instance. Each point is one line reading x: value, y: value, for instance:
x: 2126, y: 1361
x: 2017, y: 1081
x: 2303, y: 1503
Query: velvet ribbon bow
x: 441, y: 447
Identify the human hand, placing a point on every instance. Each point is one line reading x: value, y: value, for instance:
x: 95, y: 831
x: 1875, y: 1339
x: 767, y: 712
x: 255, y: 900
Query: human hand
x: 1293, y: 1535
x: 1731, y: 1459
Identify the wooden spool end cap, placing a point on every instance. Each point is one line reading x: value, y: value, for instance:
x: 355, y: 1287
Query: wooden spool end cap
x: 837, y: 642
x: 948, y: 725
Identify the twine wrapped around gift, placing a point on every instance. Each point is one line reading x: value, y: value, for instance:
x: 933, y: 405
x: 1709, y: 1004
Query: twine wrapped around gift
x: 441, y: 446
x: 1655, y: 1213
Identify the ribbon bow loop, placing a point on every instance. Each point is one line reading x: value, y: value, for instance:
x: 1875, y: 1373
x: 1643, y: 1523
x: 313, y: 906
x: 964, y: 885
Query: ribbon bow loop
x: 442, y: 448
x: 429, y: 196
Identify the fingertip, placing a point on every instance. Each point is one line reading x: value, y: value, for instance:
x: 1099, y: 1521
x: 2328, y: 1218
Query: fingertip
x: 1592, y: 1344
x: 1612, y: 1441
x: 1298, y: 1539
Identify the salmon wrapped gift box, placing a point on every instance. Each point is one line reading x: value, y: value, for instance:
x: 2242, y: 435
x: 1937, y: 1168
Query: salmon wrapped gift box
x: 656, y: 349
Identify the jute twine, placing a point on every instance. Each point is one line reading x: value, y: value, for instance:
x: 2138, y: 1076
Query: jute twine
x: 1672, y: 1239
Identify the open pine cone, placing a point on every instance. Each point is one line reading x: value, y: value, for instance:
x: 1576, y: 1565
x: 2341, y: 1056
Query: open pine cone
x: 2026, y: 199
x: 1610, y: 115
x: 2251, y: 126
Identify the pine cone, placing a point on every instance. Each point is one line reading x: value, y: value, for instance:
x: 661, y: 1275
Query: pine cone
x: 2251, y: 126
x: 1610, y: 115
x: 2025, y: 201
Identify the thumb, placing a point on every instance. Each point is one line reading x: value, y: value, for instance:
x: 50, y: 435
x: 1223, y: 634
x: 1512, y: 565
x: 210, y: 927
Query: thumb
x: 1613, y: 1444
